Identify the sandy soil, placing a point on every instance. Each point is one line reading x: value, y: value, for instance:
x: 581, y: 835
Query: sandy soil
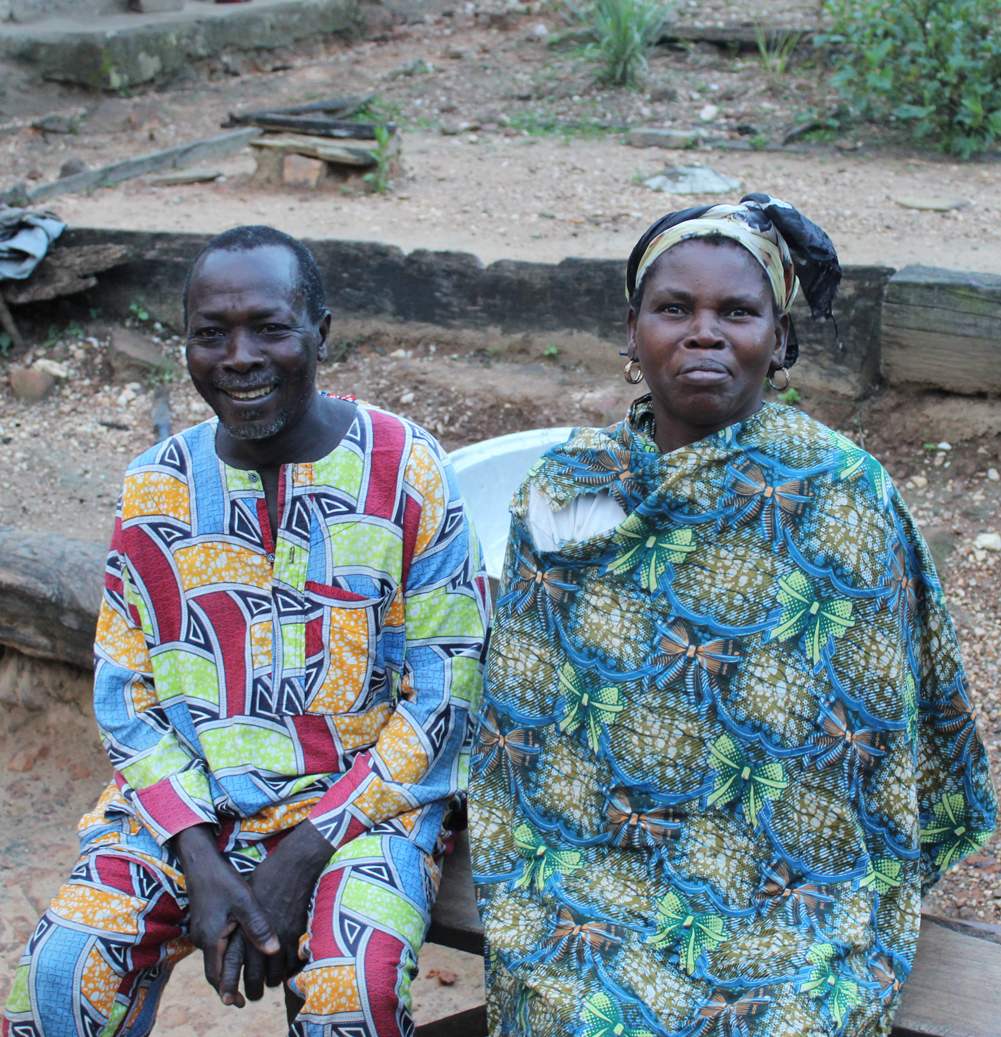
x: 540, y: 170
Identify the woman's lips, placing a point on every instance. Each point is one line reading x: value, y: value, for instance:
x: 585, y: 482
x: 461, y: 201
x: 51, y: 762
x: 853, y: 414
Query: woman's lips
x: 705, y: 373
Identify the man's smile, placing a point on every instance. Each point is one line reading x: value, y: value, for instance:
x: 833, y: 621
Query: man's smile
x: 249, y: 394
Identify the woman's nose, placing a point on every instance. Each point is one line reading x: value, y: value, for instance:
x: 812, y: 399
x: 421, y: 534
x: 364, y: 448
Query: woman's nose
x: 703, y: 330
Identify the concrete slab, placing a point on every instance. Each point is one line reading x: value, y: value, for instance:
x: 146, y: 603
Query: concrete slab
x: 120, y: 49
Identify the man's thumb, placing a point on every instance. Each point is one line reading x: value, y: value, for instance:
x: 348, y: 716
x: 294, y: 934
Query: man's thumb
x: 257, y: 928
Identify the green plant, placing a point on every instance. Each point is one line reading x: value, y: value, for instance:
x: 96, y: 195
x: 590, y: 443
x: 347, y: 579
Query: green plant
x: 625, y: 31
x: 5, y: 342
x: 551, y: 351
x: 378, y: 179
x: 776, y: 50
x: 139, y: 311
x: 933, y: 65
x: 788, y: 396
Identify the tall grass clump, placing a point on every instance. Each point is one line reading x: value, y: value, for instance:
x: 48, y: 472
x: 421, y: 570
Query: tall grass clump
x: 624, y: 32
x: 931, y: 65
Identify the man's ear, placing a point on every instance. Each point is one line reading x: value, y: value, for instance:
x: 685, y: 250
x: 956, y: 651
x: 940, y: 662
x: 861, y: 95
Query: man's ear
x: 323, y: 332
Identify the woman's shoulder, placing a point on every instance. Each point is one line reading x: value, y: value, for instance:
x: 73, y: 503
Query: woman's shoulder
x: 795, y: 439
x: 553, y: 473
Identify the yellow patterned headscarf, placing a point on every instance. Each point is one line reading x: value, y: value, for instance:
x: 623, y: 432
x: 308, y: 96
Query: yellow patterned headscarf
x: 767, y: 247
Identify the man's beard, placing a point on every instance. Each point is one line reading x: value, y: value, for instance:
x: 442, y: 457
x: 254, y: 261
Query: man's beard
x: 257, y: 429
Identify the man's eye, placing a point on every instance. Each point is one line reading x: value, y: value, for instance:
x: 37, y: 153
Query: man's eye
x: 206, y: 333
x: 274, y: 329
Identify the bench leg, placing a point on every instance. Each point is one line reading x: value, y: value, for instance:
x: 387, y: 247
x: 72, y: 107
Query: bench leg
x: 471, y: 1023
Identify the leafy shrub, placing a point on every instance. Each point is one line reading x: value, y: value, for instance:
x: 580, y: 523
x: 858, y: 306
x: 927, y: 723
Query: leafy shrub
x: 932, y: 64
x: 625, y: 30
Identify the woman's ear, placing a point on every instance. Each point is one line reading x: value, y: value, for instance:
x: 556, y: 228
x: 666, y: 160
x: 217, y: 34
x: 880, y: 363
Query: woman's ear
x: 782, y: 325
x: 631, y: 333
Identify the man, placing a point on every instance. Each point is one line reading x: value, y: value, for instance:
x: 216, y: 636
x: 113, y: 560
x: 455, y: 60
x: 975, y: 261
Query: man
x: 288, y: 650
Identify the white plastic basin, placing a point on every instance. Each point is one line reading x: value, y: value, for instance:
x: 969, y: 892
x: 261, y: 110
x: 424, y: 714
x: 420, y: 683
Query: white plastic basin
x: 489, y: 472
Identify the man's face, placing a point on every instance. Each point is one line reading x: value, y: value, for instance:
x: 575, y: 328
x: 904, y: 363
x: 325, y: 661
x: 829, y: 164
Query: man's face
x: 252, y: 348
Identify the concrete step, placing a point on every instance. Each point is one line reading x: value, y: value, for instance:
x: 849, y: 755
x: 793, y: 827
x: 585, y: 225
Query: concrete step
x: 120, y: 49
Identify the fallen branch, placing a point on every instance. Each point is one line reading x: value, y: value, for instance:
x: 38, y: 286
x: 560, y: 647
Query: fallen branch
x: 172, y: 158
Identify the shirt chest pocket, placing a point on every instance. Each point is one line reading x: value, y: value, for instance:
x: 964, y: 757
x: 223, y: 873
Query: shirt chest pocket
x: 342, y: 635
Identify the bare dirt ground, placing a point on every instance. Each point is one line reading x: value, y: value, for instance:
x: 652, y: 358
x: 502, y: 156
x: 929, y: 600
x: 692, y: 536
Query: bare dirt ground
x: 513, y: 149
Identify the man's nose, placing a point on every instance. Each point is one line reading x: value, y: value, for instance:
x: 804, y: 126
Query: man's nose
x: 243, y: 352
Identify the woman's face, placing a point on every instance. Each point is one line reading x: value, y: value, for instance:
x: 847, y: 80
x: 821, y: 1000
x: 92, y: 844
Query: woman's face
x: 706, y: 335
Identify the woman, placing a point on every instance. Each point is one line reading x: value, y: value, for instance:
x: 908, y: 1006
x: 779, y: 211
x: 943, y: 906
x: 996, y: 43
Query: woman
x: 726, y: 739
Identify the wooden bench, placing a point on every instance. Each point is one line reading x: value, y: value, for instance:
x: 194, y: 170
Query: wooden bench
x: 954, y: 989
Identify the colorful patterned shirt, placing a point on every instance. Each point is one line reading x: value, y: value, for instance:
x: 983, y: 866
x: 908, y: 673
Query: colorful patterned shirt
x: 329, y: 673
x: 724, y: 744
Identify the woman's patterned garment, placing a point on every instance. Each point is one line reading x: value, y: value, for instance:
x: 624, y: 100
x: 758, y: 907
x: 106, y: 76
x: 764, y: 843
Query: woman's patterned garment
x: 723, y: 747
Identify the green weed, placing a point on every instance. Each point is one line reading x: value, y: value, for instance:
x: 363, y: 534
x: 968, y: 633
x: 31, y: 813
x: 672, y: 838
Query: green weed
x: 138, y: 311
x: 378, y: 179
x: 625, y: 31
x: 776, y: 50
x: 931, y: 65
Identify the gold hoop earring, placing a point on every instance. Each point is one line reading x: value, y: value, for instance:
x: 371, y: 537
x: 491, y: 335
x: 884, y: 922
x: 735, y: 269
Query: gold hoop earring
x: 631, y: 376
x: 788, y: 381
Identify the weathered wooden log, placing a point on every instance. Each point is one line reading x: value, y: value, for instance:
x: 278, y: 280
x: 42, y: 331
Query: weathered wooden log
x: 941, y: 329
x: 50, y: 594
x: 65, y: 271
x: 333, y: 108
x: 171, y: 158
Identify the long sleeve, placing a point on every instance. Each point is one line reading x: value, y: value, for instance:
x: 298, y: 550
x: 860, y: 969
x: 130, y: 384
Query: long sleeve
x: 165, y: 782
x: 438, y: 621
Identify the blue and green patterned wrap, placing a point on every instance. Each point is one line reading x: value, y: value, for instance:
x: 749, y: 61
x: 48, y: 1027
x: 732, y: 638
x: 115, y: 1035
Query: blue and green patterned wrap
x: 724, y: 746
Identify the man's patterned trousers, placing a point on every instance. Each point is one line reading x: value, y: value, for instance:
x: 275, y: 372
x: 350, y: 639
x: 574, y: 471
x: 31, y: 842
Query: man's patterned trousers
x: 100, y: 957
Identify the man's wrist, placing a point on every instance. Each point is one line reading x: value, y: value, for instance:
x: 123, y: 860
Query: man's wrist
x: 310, y: 847
x: 195, y: 845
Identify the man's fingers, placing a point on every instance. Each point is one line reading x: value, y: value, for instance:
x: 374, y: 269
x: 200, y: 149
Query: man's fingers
x: 254, y: 967
x: 276, y: 969
x: 233, y: 960
x: 256, y: 926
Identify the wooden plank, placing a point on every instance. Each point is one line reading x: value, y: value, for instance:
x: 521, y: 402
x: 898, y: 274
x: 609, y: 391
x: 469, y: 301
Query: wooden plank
x: 942, y: 329
x: 941, y: 360
x: 171, y: 158
x: 347, y: 153
x: 455, y: 921
x: 339, y: 106
x: 952, y: 990
x: 335, y: 128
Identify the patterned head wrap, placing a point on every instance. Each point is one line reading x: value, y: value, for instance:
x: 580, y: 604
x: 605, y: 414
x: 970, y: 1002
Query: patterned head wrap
x: 792, y: 251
